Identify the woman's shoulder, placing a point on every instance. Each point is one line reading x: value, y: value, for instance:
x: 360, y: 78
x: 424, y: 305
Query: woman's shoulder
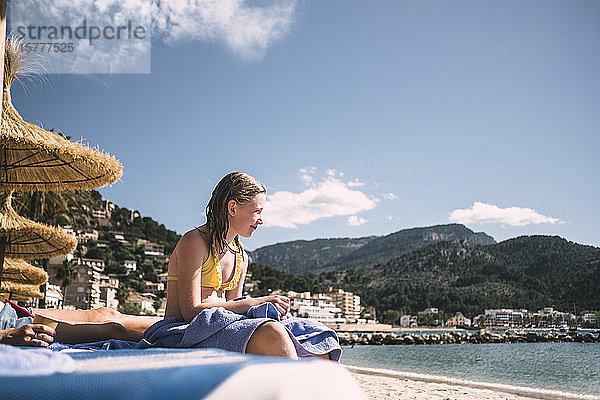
x: 196, y: 241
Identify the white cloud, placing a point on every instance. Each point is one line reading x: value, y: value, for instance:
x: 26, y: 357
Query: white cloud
x: 306, y: 174
x: 483, y: 213
x: 356, y: 183
x: 328, y: 197
x: 388, y: 217
x: 355, y: 220
x: 49, y: 21
x: 247, y: 29
x: 390, y: 196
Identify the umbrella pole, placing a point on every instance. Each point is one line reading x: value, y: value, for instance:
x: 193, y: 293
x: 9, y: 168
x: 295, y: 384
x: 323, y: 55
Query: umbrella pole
x: 2, y: 42
x: 2, y: 250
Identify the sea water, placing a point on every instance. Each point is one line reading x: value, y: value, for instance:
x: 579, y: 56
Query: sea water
x: 565, y: 367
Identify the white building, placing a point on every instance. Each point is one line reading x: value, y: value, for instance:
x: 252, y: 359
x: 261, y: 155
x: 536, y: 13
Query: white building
x: 54, y: 296
x: 504, y: 317
x: 83, y: 235
x: 590, y: 318
x: 108, y: 291
x: 130, y: 265
x: 459, y: 320
x: 319, y: 307
x: 154, y: 249
x: 408, y: 321
x: 146, y: 303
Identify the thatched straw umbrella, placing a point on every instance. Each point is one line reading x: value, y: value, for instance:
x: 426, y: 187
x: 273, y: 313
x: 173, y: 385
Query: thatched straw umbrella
x: 34, y: 159
x: 26, y: 239
x: 22, y: 279
x: 20, y: 271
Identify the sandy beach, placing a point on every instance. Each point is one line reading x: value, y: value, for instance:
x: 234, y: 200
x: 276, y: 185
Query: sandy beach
x: 385, y: 386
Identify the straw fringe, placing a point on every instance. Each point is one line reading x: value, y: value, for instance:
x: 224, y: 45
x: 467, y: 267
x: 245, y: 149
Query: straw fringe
x: 22, y: 290
x: 20, y: 271
x: 28, y: 239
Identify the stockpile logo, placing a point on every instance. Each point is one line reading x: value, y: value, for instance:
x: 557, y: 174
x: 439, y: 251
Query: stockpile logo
x: 84, y: 37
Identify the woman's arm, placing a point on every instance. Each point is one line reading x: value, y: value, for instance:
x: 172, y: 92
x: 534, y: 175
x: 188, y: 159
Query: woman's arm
x: 281, y: 303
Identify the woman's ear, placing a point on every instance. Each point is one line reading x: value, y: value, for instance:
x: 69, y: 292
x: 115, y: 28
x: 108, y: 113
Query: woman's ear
x: 231, y: 207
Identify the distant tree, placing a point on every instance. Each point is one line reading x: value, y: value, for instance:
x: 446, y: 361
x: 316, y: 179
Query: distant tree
x: 130, y: 308
x: 391, y: 316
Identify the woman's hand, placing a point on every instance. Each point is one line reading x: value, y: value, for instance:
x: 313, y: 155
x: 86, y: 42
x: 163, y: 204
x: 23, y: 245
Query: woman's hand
x: 28, y: 335
x: 281, y: 303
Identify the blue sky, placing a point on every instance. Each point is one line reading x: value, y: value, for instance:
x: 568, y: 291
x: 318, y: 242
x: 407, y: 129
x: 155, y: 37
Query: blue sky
x: 361, y: 118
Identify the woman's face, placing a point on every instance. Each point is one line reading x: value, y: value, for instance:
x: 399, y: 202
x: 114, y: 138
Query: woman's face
x: 244, y: 218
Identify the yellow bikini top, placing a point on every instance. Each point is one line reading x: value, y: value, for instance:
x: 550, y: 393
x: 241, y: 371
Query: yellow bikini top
x: 212, y: 275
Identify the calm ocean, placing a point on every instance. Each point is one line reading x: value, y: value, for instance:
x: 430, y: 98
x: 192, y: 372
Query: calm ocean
x: 568, y: 367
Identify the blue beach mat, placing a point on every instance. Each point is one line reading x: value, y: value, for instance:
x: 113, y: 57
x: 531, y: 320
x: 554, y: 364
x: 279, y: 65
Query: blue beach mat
x: 132, y: 374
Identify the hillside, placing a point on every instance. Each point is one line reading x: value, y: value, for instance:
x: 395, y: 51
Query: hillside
x: 307, y: 256
x: 315, y: 256
x: 525, y: 272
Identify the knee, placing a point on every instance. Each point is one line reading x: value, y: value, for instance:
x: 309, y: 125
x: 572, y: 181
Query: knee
x: 273, y: 330
x: 271, y: 339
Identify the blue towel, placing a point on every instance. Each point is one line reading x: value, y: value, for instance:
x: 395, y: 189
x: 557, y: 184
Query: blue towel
x: 9, y: 318
x: 222, y: 329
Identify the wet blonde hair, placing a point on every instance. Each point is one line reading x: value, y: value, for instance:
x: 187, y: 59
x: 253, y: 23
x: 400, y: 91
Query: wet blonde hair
x: 237, y: 186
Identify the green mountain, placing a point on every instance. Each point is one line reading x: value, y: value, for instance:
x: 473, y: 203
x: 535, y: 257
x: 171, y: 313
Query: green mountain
x: 526, y: 272
x: 315, y: 256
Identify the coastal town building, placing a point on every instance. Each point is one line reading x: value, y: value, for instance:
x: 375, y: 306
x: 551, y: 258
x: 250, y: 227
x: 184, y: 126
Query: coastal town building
x: 84, y: 291
x: 458, y: 320
x: 150, y: 248
x: 53, y: 296
x: 120, y: 237
x: 104, y: 210
x: 430, y: 316
x: 505, y: 317
x: 151, y: 287
x: 318, y: 306
x: 130, y: 265
x: 145, y: 302
x: 133, y: 214
x: 546, y: 317
x: 408, y: 321
x: 590, y: 319
x: 81, y: 235
x: 109, y: 284
x: 368, y: 312
x: 154, y: 249
x: 348, y: 302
